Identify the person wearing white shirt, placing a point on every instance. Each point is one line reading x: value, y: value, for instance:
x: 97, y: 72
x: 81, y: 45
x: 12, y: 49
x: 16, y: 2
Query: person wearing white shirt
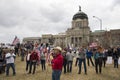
x: 28, y: 60
x: 69, y: 57
x: 77, y: 57
x: 10, y: 59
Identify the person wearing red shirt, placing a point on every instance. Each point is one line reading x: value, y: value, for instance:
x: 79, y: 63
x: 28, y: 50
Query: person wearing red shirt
x: 33, y: 60
x: 57, y: 63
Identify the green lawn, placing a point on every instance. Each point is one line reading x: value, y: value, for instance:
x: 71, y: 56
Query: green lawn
x: 108, y: 73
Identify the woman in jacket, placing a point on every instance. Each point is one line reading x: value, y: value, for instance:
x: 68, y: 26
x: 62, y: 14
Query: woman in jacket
x: 115, y: 57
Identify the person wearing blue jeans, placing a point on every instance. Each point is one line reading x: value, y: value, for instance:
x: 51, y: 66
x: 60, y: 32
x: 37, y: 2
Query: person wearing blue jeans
x: 56, y: 74
x: 89, y: 55
x: 82, y: 58
x: 69, y: 56
x: 69, y: 66
x: 43, y: 65
x: 43, y: 58
x: 80, y: 65
x: 10, y: 58
x: 8, y: 67
x: 57, y: 63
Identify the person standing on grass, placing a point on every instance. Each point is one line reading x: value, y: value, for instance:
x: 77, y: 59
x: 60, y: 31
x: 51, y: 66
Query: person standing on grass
x: 33, y: 60
x: 10, y: 59
x: 104, y: 57
x: 64, y: 60
x: 98, y: 56
x: 16, y: 50
x: 57, y: 63
x: 22, y: 53
x: 43, y: 60
x: 89, y: 55
x: 70, y: 57
x: 115, y: 57
x: 77, y: 57
x: 82, y: 59
x: 28, y: 60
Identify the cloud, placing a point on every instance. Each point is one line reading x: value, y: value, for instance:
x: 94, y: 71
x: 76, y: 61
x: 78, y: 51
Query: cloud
x: 26, y: 18
x: 11, y: 14
x: 116, y: 2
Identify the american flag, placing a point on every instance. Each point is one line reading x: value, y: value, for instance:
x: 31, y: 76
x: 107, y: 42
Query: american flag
x: 48, y: 57
x: 15, y: 41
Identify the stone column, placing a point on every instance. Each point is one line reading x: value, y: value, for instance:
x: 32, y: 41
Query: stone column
x: 74, y: 41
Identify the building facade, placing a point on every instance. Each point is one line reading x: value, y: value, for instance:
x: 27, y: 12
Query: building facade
x: 32, y: 39
x: 80, y: 34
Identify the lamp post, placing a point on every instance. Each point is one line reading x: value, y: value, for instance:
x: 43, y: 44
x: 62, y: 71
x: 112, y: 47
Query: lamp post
x: 100, y: 21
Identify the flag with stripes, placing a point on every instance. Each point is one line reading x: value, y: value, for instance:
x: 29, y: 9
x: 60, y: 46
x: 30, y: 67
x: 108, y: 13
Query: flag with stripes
x: 15, y: 41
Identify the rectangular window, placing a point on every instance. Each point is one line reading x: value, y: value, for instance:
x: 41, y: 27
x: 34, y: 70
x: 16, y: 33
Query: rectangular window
x: 76, y: 39
x: 78, y: 24
x: 72, y: 40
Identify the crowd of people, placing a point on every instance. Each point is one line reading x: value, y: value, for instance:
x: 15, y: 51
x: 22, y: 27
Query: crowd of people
x: 62, y: 58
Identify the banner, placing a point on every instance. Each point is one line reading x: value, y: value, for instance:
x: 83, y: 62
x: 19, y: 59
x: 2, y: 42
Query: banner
x: 109, y: 60
x: 119, y: 61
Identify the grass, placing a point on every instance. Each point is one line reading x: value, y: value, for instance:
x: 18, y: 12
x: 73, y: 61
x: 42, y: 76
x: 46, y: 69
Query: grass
x: 108, y: 73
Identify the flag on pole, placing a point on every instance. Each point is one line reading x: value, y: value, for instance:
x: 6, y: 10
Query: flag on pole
x: 15, y: 41
x: 49, y: 57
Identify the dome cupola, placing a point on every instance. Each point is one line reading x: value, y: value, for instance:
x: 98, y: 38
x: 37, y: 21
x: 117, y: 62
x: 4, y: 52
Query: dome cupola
x: 80, y: 15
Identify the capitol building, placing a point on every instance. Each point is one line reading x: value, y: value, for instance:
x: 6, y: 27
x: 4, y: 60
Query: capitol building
x: 79, y: 35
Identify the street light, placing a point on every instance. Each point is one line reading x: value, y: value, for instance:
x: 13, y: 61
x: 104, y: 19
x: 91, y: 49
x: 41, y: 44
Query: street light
x: 100, y: 27
x: 100, y: 21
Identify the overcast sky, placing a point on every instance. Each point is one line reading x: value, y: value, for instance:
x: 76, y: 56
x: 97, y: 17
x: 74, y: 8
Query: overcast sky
x: 32, y: 18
